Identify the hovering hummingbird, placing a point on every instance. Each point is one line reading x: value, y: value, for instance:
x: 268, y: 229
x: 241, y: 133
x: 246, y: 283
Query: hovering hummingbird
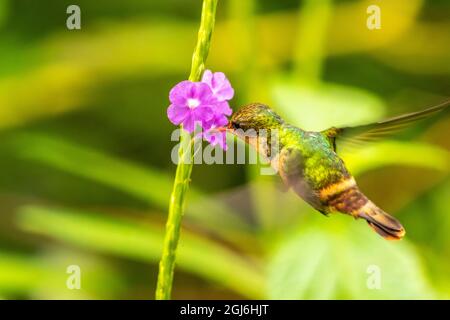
x: 308, y: 161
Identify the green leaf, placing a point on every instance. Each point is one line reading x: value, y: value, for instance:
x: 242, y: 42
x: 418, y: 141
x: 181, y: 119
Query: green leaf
x: 332, y: 260
x: 143, y: 242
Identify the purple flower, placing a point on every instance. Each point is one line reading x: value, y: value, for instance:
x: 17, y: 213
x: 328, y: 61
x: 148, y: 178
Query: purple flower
x: 216, y: 138
x: 192, y: 102
x: 204, y: 103
x: 219, y: 120
x: 219, y: 85
x: 221, y: 88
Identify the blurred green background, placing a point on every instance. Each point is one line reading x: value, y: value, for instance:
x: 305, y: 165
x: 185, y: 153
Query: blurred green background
x: 85, y: 170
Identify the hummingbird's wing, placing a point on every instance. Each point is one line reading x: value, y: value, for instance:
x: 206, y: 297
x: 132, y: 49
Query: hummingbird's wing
x: 290, y: 166
x: 348, y: 137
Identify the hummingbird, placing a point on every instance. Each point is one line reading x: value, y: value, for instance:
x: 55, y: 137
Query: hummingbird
x: 308, y: 161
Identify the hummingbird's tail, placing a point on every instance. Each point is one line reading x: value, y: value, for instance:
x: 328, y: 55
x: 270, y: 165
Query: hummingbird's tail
x: 346, y: 197
x: 384, y: 224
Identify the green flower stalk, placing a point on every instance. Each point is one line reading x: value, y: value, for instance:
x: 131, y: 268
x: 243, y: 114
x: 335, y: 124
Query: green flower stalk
x: 184, y: 168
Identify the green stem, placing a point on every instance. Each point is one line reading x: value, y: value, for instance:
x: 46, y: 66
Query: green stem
x: 184, y: 168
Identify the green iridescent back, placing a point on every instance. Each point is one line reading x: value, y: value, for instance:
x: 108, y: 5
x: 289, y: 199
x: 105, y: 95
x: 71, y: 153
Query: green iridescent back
x: 321, y: 165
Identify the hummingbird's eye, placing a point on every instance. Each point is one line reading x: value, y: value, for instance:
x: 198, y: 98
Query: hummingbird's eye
x: 235, y: 125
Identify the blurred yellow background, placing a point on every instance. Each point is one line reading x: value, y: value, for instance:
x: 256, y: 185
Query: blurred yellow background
x: 85, y: 169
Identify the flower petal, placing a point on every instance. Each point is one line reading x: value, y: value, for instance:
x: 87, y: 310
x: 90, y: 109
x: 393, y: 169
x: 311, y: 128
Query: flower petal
x: 223, y: 141
x: 204, y: 115
x: 202, y: 92
x: 220, y: 120
x: 207, y: 77
x: 177, y: 114
x: 189, y: 123
x: 225, y: 93
x: 223, y: 107
x: 179, y: 93
x: 219, y: 85
x: 216, y: 138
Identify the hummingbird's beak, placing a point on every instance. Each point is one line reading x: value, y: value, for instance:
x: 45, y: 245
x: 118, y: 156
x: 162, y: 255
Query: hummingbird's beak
x: 229, y: 128
x: 219, y: 129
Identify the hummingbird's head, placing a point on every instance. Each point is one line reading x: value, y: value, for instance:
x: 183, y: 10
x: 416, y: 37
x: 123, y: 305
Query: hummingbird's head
x: 254, y: 116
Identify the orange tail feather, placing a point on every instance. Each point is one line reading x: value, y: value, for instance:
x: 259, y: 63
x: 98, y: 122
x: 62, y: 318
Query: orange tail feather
x: 384, y: 224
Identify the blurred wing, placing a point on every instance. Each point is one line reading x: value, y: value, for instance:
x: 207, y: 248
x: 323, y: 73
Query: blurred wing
x: 291, y: 167
x: 350, y: 137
